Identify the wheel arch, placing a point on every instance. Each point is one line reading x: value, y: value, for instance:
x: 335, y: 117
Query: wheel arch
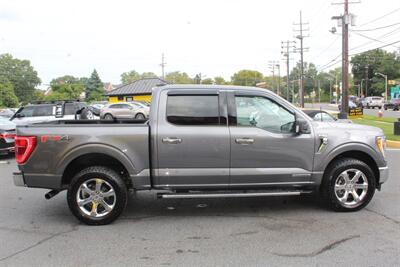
x: 354, y: 154
x: 94, y: 155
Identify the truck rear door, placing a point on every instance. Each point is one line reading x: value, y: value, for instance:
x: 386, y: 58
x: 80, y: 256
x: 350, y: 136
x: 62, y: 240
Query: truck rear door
x: 193, y: 142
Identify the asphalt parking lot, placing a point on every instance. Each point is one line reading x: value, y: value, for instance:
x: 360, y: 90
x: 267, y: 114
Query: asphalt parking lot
x: 284, y: 231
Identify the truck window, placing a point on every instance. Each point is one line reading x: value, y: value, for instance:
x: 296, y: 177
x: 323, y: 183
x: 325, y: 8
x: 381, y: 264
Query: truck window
x: 27, y: 111
x: 257, y: 111
x: 193, y: 109
x: 43, y: 110
x: 70, y: 109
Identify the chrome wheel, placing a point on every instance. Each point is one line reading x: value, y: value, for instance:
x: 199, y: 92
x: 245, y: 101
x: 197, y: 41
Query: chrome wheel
x: 351, y: 188
x: 96, y: 198
x: 90, y: 115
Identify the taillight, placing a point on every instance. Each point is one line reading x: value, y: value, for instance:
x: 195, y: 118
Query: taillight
x: 24, y: 146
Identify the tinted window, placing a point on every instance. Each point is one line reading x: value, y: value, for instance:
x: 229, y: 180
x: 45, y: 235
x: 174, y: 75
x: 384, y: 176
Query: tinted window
x: 257, y: 111
x: 27, y: 111
x: 44, y: 110
x: 70, y: 109
x: 193, y: 110
x: 114, y: 106
x: 124, y: 106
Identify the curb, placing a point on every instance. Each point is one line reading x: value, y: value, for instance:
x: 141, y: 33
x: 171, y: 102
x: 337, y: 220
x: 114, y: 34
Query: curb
x: 392, y: 144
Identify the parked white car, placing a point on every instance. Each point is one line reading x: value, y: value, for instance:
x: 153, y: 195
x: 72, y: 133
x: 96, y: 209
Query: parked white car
x: 373, y: 102
x: 125, y: 110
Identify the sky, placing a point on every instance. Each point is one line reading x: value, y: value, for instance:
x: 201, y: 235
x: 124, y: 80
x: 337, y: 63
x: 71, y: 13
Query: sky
x: 215, y: 38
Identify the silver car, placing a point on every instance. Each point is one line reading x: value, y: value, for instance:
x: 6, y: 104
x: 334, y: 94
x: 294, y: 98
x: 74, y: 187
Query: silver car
x: 131, y: 110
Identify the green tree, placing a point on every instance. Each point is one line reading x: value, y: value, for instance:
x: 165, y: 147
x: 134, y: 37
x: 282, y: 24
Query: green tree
x: 66, y: 87
x: 94, y: 87
x: 310, y: 77
x: 371, y: 62
x: 207, y: 81
x: 247, y: 77
x: 21, y: 75
x: 178, y: 77
x: 7, y: 96
x: 130, y: 76
x: 148, y: 75
x: 220, y: 80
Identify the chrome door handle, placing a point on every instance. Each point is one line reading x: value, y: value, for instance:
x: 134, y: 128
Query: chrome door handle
x: 172, y: 140
x: 244, y: 141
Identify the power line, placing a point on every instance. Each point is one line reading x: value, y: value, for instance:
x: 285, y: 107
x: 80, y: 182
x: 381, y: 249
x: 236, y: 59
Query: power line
x: 378, y: 28
x: 383, y: 46
x: 334, y: 62
x: 373, y: 39
x: 381, y: 17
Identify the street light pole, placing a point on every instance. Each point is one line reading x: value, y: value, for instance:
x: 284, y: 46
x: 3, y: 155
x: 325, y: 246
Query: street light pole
x: 384, y: 76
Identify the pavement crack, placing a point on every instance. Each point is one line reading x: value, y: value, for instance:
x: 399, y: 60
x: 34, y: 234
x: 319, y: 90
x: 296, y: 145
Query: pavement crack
x: 384, y: 216
x: 40, y: 242
x: 325, y: 248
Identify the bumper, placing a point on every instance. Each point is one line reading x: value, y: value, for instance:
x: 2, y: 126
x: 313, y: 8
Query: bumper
x: 18, y: 179
x: 383, y: 174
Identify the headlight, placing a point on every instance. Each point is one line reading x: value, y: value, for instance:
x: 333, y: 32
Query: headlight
x: 381, y: 144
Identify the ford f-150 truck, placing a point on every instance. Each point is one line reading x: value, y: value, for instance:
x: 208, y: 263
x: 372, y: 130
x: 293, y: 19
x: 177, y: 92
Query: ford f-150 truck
x: 202, y: 142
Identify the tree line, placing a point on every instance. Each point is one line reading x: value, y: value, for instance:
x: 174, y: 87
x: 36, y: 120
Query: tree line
x: 19, y: 80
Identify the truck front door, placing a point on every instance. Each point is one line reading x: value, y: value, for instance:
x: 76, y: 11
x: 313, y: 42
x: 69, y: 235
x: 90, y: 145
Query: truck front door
x: 265, y: 151
x: 193, y: 141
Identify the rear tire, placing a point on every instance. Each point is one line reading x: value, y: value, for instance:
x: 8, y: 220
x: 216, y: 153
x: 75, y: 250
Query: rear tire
x: 140, y: 116
x: 342, y: 190
x: 97, y: 195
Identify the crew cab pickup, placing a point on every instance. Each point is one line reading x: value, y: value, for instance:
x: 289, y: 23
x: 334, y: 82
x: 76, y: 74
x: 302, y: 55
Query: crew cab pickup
x: 202, y: 142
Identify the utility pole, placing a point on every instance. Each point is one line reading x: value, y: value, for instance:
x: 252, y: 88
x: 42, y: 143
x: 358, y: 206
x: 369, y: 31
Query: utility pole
x: 279, y: 79
x: 272, y: 65
x: 162, y: 66
x: 286, y: 46
x: 300, y: 36
x: 366, y: 81
x: 345, y: 19
x: 319, y: 91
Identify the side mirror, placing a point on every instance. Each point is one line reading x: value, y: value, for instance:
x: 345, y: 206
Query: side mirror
x: 19, y: 115
x: 301, y: 127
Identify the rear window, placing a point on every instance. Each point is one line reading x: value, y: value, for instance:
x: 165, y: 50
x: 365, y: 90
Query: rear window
x: 193, y: 109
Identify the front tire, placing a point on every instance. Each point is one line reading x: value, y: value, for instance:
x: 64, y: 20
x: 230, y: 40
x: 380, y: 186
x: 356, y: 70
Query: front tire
x: 97, y: 195
x: 108, y: 117
x: 348, y: 185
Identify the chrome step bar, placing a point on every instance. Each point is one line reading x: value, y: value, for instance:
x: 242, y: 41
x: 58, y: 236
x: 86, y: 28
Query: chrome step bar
x: 227, y: 195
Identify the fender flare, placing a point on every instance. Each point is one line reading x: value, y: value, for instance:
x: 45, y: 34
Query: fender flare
x: 94, y: 148
x: 352, y: 146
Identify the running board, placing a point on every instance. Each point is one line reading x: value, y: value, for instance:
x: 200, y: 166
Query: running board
x: 227, y: 195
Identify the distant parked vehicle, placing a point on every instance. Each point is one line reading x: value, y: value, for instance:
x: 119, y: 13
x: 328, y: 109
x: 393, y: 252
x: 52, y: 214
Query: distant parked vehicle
x: 125, y: 110
x: 7, y: 134
x: 394, y: 104
x: 321, y: 115
x: 351, y: 105
x: 6, y: 112
x: 52, y: 111
x: 373, y: 102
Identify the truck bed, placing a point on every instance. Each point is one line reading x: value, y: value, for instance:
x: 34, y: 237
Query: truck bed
x: 59, y: 143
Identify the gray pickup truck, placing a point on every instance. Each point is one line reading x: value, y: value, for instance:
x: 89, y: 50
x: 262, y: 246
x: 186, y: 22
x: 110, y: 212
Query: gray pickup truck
x: 202, y: 142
